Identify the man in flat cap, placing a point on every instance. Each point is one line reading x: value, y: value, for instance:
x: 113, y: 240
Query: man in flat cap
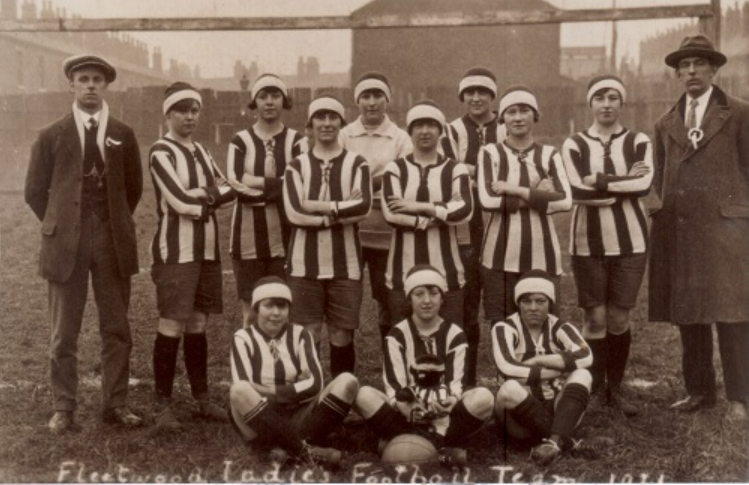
x: 699, y: 272
x: 83, y: 183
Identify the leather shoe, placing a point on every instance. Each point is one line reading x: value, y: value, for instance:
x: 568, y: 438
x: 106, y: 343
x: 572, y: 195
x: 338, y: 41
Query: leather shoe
x: 693, y: 403
x: 737, y: 412
x: 122, y: 416
x: 62, y: 421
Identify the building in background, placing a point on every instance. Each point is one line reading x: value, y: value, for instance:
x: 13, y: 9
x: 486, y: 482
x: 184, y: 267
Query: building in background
x: 438, y: 56
x: 583, y: 62
x: 32, y: 61
x: 734, y: 43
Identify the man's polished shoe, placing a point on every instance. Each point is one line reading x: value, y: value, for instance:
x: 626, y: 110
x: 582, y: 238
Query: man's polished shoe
x: 61, y: 422
x: 737, y: 412
x: 122, y: 416
x: 693, y: 403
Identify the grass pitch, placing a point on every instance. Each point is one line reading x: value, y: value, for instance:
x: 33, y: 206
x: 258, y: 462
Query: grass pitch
x: 658, y: 445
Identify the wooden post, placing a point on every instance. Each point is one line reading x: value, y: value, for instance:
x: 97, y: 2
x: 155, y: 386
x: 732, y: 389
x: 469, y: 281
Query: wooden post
x: 710, y: 24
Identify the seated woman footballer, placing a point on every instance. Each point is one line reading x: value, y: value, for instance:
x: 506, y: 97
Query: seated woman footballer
x: 277, y: 396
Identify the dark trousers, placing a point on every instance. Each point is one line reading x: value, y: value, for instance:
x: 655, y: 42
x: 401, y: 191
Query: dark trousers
x: 377, y: 262
x: 67, y: 302
x: 697, y: 359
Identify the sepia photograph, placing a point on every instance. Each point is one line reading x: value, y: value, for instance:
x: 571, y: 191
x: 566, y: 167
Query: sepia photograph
x: 374, y: 241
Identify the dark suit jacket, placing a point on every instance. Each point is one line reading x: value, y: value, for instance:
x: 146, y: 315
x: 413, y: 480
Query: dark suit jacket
x: 54, y: 186
x: 699, y: 266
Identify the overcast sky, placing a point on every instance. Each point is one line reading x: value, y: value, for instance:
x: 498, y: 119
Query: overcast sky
x: 216, y: 52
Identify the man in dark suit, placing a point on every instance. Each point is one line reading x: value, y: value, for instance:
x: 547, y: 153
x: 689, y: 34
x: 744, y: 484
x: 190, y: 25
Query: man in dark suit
x: 83, y: 183
x: 699, y: 273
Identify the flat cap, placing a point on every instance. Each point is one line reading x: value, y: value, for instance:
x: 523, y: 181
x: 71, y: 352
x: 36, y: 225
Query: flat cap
x: 87, y: 60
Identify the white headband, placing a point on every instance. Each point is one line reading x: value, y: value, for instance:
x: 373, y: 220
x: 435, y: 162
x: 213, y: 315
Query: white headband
x: 270, y: 290
x: 517, y: 97
x: 534, y: 285
x: 424, y: 111
x: 478, y: 81
x: 371, y: 83
x: 268, y: 82
x: 181, y: 95
x: 425, y: 277
x: 326, y: 103
x: 607, y: 83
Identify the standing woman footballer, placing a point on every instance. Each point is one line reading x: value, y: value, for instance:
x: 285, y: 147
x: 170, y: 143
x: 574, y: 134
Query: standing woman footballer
x: 610, y: 169
x: 186, y: 265
x: 520, y: 183
x: 255, y: 165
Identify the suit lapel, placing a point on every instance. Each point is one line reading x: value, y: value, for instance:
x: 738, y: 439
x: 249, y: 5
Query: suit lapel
x: 71, y: 140
x: 716, y: 115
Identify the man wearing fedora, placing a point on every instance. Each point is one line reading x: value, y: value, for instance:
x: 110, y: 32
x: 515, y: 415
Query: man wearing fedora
x: 699, y: 273
x: 83, y: 183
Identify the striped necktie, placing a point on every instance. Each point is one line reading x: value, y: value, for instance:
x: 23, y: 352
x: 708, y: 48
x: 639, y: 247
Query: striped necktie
x: 692, y: 115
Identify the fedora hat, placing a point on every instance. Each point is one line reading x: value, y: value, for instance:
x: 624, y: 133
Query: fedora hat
x: 698, y: 45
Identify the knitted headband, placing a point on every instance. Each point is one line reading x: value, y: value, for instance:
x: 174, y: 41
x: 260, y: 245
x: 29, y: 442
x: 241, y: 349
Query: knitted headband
x: 535, y: 281
x: 424, y: 110
x: 478, y: 77
x: 326, y: 103
x: 517, y: 95
x: 177, y: 92
x: 424, y: 275
x: 269, y: 81
x: 606, y: 82
x: 270, y: 287
x: 372, y: 80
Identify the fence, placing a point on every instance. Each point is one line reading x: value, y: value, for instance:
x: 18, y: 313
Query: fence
x: 563, y: 111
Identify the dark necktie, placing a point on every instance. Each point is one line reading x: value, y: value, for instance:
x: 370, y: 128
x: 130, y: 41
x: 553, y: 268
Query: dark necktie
x: 92, y: 161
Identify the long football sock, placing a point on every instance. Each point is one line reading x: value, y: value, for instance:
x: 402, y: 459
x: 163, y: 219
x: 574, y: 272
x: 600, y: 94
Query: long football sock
x: 473, y: 336
x: 599, y: 349
x: 532, y: 414
x: 342, y: 359
x: 271, y: 426
x: 387, y: 422
x: 618, y: 353
x: 326, y: 416
x: 165, y: 351
x: 462, y: 424
x: 569, y: 410
x: 196, y: 362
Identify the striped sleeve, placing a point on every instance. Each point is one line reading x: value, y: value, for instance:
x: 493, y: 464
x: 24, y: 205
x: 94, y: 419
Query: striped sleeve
x: 395, y: 364
x: 561, y: 199
x: 491, y: 169
x: 460, y: 206
x: 219, y: 192
x: 576, y: 157
x: 504, y: 339
x: 171, y: 188
x: 456, y: 360
x: 354, y: 210
x: 576, y: 353
x: 393, y: 189
x: 310, y: 385
x: 643, y: 152
x: 240, y: 358
x: 294, y: 194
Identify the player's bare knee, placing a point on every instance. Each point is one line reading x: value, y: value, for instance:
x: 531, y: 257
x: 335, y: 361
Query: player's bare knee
x: 582, y: 377
x: 618, y: 320
x: 510, y: 395
x: 595, y: 322
x: 345, y: 387
x: 479, y: 402
x: 171, y: 328
x: 243, y: 396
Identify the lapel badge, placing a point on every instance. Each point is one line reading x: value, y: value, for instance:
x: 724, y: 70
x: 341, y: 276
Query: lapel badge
x: 695, y: 135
